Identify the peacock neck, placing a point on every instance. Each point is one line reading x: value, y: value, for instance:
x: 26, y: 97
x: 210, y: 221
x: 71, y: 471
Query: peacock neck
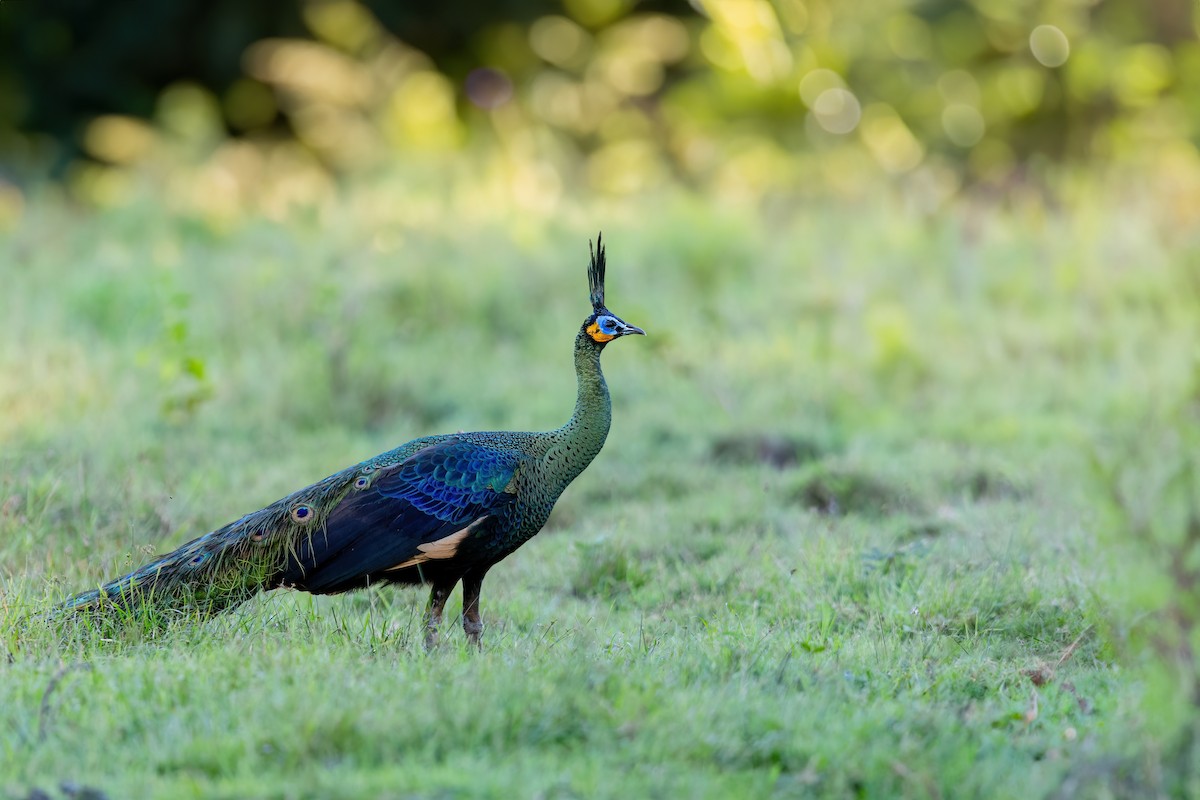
x: 581, y: 438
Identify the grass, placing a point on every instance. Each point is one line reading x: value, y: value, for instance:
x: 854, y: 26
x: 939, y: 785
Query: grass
x: 840, y: 542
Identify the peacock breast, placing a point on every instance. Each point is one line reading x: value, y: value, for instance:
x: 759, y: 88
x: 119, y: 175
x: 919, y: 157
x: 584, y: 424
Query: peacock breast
x: 536, y: 496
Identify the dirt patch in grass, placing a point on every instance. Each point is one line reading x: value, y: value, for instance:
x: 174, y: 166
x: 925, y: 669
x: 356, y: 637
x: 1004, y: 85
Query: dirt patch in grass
x: 838, y: 490
x: 778, y: 450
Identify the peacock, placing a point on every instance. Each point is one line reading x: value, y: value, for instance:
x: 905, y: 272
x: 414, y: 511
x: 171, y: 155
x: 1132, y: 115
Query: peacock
x: 437, y: 510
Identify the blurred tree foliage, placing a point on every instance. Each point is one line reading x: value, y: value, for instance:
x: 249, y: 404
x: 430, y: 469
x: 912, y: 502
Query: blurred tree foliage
x: 741, y: 97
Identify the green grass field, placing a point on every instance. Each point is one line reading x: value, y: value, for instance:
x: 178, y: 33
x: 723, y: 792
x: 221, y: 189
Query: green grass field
x: 844, y: 539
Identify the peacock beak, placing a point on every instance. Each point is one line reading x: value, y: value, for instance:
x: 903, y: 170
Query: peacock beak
x: 631, y: 329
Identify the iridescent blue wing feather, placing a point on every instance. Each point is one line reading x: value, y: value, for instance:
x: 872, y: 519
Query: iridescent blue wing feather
x: 396, y: 517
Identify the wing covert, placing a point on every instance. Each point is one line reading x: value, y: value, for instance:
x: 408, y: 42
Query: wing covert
x: 414, y: 511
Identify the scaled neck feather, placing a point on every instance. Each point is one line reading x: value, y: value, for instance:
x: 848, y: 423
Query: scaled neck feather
x: 578, y: 442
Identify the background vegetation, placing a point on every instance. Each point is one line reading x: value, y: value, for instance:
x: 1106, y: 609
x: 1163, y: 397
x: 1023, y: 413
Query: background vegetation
x: 902, y: 495
x: 745, y: 97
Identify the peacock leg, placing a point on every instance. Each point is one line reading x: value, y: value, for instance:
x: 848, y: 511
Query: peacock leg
x: 472, y: 624
x: 433, y: 614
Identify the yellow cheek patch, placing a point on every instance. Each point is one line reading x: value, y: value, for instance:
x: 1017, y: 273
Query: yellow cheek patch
x: 593, y: 331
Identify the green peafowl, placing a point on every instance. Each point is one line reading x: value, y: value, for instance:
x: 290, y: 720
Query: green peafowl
x: 437, y: 510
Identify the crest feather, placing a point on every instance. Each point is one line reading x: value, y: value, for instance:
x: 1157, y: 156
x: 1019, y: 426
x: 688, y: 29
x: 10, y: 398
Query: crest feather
x: 596, y: 273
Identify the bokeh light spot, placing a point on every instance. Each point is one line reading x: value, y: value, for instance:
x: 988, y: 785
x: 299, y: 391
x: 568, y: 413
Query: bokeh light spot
x: 190, y: 112
x: 660, y: 37
x: 1049, y: 45
x: 117, y: 139
x: 595, y: 12
x: 488, y: 88
x: 719, y: 49
x: 632, y: 73
x: 559, y: 41
x: 817, y: 81
x: 343, y: 23
x: 309, y: 70
x: 837, y: 110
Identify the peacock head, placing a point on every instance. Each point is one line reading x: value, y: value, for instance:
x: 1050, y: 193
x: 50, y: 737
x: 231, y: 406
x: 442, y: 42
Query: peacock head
x: 603, y: 326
